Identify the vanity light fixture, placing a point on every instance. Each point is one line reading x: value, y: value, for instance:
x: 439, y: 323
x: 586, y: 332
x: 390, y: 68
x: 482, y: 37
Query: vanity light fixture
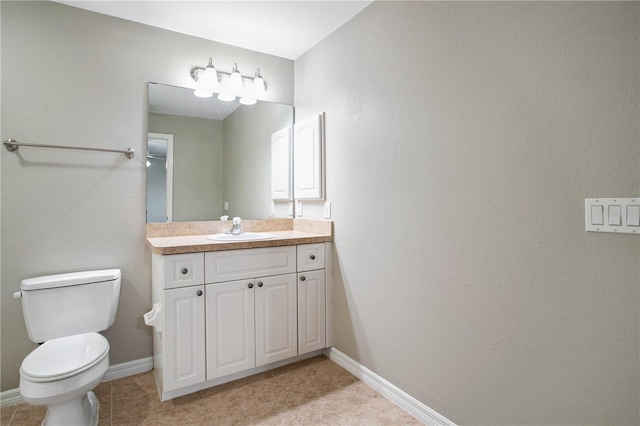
x: 228, y: 85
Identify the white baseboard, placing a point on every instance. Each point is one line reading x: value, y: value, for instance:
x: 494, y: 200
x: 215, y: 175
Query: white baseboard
x: 402, y: 399
x: 130, y: 368
x: 10, y: 397
x: 118, y: 371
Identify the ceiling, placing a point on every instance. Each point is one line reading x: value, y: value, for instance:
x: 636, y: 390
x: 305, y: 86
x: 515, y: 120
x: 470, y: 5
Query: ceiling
x: 281, y: 28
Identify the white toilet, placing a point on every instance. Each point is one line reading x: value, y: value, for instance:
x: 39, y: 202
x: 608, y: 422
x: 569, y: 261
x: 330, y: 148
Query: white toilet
x: 65, y: 312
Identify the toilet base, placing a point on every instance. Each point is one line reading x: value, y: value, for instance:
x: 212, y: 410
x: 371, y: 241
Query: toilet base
x: 81, y: 411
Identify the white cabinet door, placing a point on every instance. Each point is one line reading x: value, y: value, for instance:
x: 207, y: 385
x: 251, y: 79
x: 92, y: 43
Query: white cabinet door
x: 184, y: 346
x: 308, y: 161
x: 281, y: 164
x: 311, y: 311
x: 230, y: 328
x: 276, y: 318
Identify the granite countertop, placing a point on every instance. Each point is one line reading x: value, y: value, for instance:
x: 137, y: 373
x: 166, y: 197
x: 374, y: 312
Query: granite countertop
x: 162, y: 241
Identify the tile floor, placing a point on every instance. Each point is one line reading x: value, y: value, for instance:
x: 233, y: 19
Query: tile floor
x: 312, y: 392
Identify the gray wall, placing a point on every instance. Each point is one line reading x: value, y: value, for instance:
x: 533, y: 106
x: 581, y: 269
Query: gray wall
x: 197, y: 165
x: 247, y: 157
x: 462, y: 139
x: 72, y: 77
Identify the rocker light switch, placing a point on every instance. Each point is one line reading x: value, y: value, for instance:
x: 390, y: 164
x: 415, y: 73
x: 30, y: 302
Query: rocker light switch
x: 596, y: 215
x: 615, y: 215
x: 633, y: 215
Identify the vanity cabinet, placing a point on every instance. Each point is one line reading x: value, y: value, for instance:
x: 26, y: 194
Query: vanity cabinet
x: 228, y: 314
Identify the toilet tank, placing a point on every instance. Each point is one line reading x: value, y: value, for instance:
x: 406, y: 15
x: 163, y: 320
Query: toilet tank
x: 67, y: 304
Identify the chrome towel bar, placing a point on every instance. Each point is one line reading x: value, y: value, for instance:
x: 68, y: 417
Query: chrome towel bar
x: 12, y: 145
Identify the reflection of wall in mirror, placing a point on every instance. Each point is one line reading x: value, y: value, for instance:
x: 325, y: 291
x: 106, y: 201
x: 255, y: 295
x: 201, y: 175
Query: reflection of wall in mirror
x: 247, y: 158
x: 197, y: 167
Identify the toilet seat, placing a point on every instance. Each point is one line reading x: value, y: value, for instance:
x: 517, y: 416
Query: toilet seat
x: 64, y: 357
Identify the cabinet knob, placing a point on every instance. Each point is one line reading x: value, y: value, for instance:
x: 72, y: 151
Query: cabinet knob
x: 250, y: 285
x: 260, y: 284
x: 302, y: 278
x: 199, y: 293
x: 312, y: 257
x: 184, y: 271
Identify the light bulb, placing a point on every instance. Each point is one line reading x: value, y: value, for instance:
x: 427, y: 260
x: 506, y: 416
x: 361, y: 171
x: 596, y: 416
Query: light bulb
x: 226, y: 96
x: 235, y: 81
x: 207, y: 82
x: 258, y: 86
x: 202, y: 93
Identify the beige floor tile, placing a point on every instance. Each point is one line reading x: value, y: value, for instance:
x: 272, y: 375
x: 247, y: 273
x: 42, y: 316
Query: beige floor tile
x: 27, y: 415
x: 301, y: 416
x: 144, y: 410
x: 103, y: 393
x: 314, y: 377
x: 375, y: 410
x: 248, y: 400
x: 172, y: 412
x: 267, y: 400
x: 133, y: 399
x: 6, y: 414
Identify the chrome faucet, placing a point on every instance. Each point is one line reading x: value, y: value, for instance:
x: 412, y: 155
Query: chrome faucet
x: 237, y: 227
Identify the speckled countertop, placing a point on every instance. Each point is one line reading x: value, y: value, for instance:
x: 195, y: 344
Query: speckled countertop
x: 190, y: 237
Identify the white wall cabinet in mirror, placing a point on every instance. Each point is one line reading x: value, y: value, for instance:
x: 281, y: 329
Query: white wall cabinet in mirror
x: 308, y: 158
x: 281, y: 165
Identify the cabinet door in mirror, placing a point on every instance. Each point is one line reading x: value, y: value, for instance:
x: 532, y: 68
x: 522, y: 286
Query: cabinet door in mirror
x: 281, y: 164
x: 308, y: 158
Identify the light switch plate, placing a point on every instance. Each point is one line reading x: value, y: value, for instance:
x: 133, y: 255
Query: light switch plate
x: 327, y: 210
x: 619, y: 215
x: 298, y: 209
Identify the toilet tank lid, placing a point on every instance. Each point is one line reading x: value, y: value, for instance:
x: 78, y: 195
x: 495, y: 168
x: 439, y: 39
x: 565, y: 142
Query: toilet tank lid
x: 73, y: 278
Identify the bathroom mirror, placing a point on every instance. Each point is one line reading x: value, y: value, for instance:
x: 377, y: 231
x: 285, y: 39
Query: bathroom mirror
x: 218, y: 160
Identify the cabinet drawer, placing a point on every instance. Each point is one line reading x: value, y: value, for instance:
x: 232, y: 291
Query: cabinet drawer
x: 240, y: 264
x: 182, y: 270
x: 310, y: 257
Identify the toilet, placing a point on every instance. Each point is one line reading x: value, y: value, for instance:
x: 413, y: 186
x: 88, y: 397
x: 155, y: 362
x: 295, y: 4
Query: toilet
x: 65, y: 312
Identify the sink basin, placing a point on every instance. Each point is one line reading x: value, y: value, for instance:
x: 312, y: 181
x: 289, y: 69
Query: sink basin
x: 247, y: 236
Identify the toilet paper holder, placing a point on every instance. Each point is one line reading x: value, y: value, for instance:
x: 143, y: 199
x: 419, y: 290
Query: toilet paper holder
x: 153, y: 318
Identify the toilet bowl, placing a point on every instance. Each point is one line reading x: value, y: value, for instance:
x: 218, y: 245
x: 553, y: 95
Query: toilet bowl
x: 66, y: 312
x: 61, y: 374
